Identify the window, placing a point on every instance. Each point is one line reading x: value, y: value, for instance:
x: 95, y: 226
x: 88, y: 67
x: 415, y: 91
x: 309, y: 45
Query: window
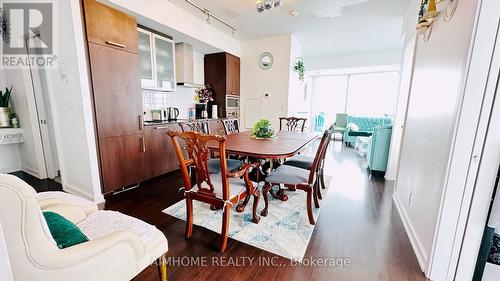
x: 330, y: 96
x: 372, y: 94
x: 362, y: 94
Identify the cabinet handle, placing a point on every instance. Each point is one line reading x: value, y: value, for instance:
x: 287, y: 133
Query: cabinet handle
x: 141, y: 123
x: 116, y: 44
x: 143, y: 145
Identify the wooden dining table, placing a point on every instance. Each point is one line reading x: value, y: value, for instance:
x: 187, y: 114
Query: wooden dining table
x: 284, y: 145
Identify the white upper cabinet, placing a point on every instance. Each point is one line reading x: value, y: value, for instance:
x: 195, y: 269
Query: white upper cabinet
x: 157, y: 61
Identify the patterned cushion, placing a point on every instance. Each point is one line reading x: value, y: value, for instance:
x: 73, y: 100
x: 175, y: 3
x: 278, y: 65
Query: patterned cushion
x: 214, y: 165
x: 300, y: 161
x: 103, y: 223
x: 288, y: 175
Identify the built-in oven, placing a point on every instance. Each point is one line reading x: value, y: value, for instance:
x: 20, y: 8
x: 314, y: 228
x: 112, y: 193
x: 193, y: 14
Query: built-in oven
x: 232, y: 106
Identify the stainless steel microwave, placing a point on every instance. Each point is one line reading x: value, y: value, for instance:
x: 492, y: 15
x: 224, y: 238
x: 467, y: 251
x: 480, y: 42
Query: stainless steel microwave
x: 232, y: 106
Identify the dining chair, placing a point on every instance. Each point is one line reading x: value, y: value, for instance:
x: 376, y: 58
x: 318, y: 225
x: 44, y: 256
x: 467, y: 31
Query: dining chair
x: 196, y: 126
x: 298, y: 178
x: 306, y: 162
x: 221, y: 191
x: 231, y: 126
x: 293, y: 123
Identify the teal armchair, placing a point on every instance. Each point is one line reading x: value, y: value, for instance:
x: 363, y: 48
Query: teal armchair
x: 366, y: 126
x: 378, y: 152
x: 340, y: 124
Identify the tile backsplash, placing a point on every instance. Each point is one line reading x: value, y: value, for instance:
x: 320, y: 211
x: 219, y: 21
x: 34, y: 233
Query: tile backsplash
x: 182, y: 98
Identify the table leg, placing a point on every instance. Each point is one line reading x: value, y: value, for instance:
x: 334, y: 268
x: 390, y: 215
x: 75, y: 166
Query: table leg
x: 280, y: 194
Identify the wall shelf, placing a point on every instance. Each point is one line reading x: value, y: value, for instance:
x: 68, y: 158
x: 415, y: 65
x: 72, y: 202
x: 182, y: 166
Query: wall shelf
x: 11, y: 136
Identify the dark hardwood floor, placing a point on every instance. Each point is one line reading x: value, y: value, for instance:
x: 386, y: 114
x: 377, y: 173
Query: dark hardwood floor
x: 38, y: 184
x: 358, y: 222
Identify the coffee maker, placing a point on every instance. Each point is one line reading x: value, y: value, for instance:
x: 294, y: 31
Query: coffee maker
x: 201, y: 111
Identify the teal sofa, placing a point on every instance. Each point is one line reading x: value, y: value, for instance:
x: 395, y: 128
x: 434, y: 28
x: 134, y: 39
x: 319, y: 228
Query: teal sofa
x: 378, y: 152
x: 366, y: 126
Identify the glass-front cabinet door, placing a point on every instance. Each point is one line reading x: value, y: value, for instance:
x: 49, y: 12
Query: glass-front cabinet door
x: 157, y: 61
x: 146, y: 59
x: 165, y: 62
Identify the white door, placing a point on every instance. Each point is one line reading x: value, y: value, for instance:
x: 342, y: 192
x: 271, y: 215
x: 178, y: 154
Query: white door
x: 41, y: 95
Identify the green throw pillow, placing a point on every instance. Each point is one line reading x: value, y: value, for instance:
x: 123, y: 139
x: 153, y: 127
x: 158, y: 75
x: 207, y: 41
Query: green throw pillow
x: 63, y: 231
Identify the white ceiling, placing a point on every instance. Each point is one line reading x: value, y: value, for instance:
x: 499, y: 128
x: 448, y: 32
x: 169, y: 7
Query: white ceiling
x: 325, y: 28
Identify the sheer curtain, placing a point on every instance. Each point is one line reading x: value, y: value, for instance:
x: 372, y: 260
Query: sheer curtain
x: 371, y: 94
x: 330, y: 96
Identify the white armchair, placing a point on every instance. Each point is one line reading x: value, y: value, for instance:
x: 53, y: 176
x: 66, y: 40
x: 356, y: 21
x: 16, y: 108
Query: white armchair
x: 119, y: 246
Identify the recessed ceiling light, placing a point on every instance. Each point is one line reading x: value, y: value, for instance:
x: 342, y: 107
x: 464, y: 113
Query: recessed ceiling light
x: 293, y: 13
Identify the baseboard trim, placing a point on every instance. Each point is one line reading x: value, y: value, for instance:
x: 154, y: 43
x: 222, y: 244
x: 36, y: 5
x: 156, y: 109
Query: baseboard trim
x: 418, y: 249
x: 31, y: 171
x: 76, y: 191
x: 10, y: 169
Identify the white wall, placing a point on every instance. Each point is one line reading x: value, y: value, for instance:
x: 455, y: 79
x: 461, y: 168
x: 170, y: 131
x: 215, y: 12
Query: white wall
x: 10, y: 160
x: 436, y: 92
x: 409, y: 35
x: 71, y: 106
x: 354, y: 60
x: 255, y: 82
x: 298, y: 103
x: 23, y: 103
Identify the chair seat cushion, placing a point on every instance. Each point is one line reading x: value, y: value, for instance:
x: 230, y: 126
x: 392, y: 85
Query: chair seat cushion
x: 338, y: 129
x: 64, y: 232
x: 232, y: 164
x: 236, y: 186
x: 102, y: 223
x: 360, y: 134
x: 300, y: 161
x: 287, y: 174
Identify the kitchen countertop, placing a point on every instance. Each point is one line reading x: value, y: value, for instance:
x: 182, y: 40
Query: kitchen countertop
x: 157, y: 123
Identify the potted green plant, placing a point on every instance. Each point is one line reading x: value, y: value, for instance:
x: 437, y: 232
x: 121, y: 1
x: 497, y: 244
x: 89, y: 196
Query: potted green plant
x: 4, y: 107
x: 263, y: 129
x: 299, y: 68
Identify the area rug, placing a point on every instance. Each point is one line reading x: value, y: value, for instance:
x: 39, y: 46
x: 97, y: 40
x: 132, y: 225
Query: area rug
x: 285, y: 231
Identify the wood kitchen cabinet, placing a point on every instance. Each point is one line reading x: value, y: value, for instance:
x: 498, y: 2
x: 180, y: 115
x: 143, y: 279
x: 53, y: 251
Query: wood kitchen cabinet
x: 157, y: 61
x: 160, y: 154
x: 114, y: 66
x: 122, y: 161
x: 110, y: 27
x: 222, y: 72
x: 117, y: 96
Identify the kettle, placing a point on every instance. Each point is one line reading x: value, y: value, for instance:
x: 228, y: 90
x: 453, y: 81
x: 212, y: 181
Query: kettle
x: 172, y: 113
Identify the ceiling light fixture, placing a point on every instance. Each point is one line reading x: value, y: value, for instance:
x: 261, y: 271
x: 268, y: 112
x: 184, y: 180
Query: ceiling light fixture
x: 263, y: 5
x: 210, y: 16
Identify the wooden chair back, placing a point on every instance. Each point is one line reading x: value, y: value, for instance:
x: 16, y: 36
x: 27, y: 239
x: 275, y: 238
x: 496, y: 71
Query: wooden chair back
x: 320, y: 154
x: 231, y: 126
x: 198, y: 155
x: 195, y: 126
x: 293, y: 123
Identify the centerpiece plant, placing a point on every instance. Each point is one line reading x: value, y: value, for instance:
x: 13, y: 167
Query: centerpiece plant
x: 263, y: 129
